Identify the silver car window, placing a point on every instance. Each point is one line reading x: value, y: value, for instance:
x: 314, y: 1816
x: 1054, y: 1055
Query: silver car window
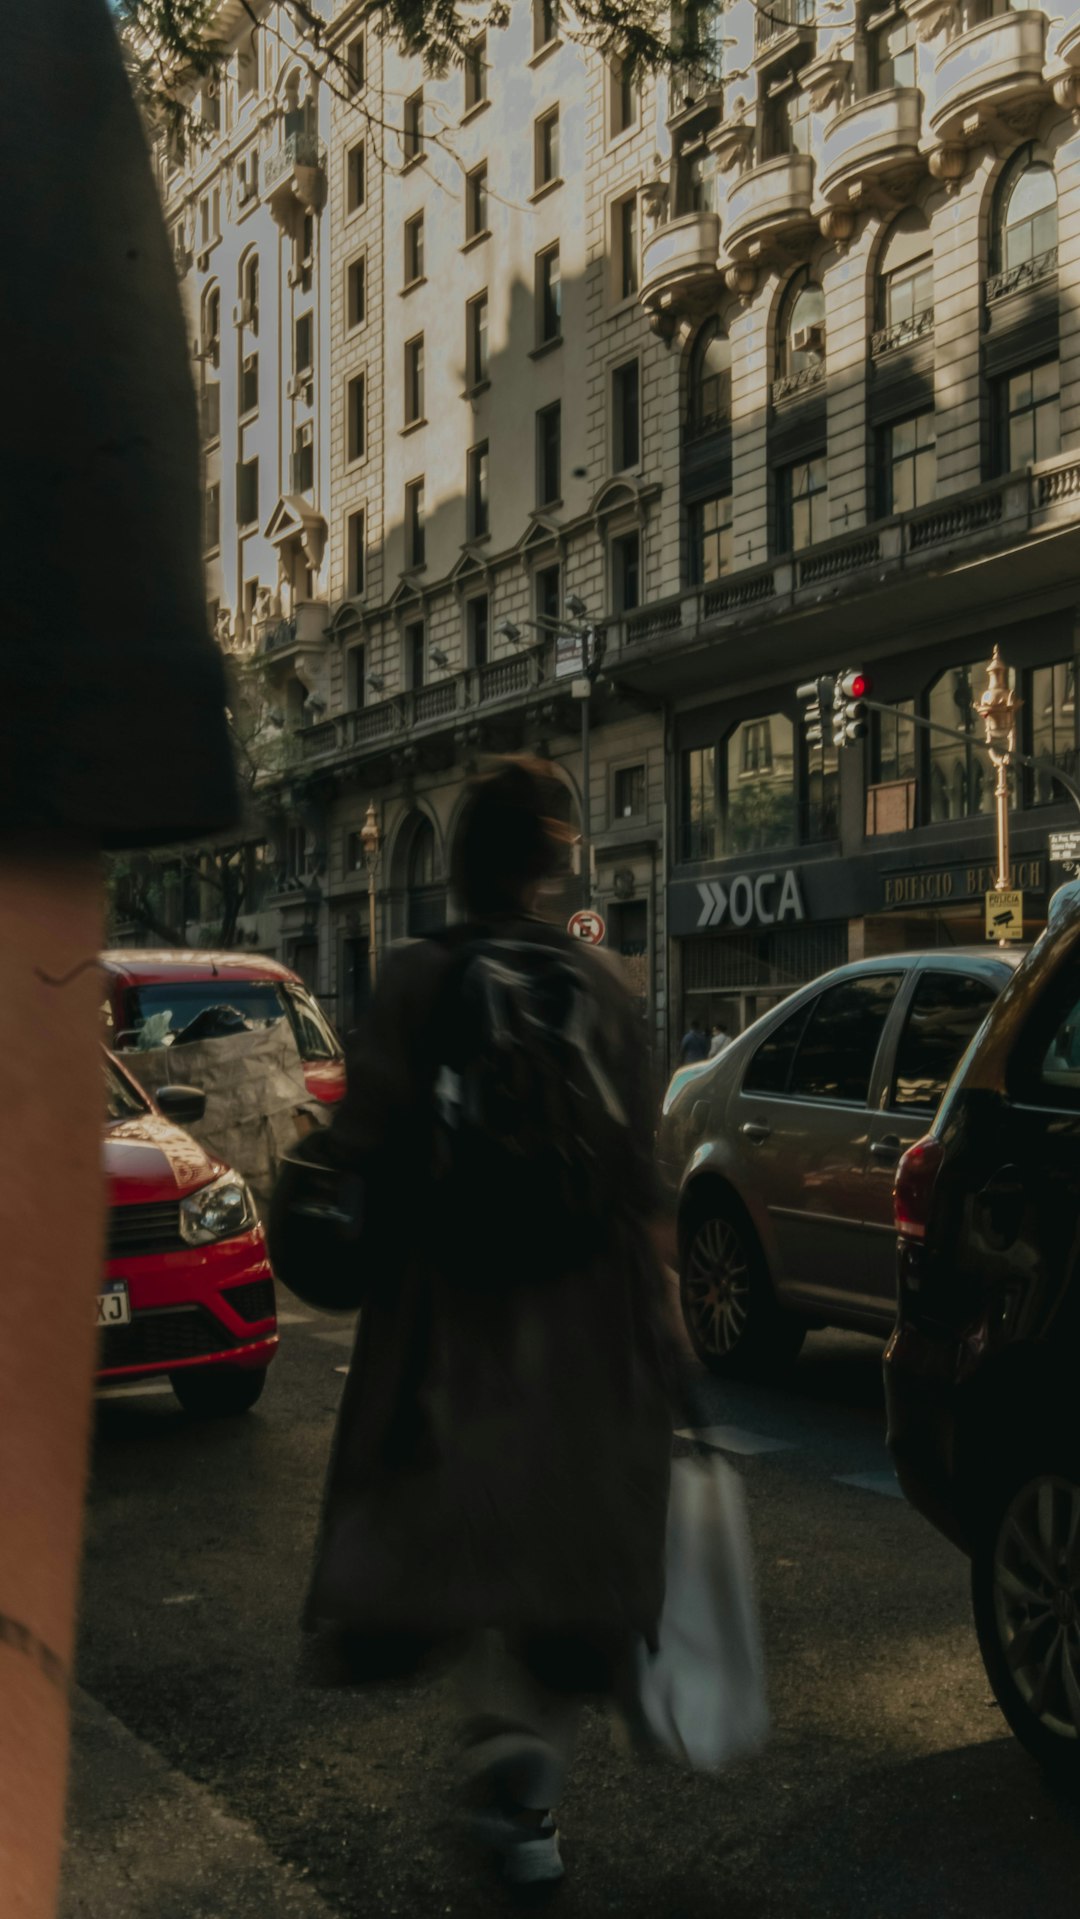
x: 837, y: 1051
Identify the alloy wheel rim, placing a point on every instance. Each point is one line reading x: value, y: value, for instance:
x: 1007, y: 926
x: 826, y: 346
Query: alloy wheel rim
x: 717, y: 1287
x: 1037, y: 1600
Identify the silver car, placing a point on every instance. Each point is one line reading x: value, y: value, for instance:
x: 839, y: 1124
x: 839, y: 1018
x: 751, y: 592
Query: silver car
x: 779, y: 1155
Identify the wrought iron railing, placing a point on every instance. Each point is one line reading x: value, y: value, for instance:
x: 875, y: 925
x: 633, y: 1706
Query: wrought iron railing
x: 298, y: 150
x: 1028, y: 273
x: 775, y: 17
x: 902, y: 333
x: 790, y: 385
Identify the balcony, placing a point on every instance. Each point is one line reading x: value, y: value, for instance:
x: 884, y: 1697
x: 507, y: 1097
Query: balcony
x: 305, y: 632
x: 294, y: 177
x: 868, y: 141
x: 680, y: 263
x: 783, y: 20
x: 902, y: 333
x: 995, y: 65
x: 1022, y: 278
x: 769, y: 203
x: 460, y: 699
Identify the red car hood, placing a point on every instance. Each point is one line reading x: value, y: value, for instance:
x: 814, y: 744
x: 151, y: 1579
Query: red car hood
x: 148, y: 1160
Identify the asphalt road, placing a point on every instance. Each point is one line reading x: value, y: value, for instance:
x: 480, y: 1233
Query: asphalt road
x: 210, y: 1784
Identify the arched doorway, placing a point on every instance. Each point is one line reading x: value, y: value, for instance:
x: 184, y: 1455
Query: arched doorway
x: 418, y: 879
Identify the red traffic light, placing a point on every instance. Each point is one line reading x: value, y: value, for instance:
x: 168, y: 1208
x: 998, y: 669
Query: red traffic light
x: 855, y: 685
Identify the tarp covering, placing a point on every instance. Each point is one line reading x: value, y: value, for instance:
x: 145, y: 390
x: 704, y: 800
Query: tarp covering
x: 257, y: 1104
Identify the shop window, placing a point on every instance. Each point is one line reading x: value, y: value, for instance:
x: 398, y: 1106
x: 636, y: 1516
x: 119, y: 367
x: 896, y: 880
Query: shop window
x: 629, y: 792
x: 961, y: 778
x: 907, y: 464
x: 892, y: 56
x: 710, y: 539
x: 946, y: 1013
x: 1028, y: 416
x: 892, y: 751
x: 802, y: 505
x: 709, y: 398
x: 698, y: 807
x: 757, y: 777
x: 836, y: 1055
x: 1026, y: 217
x: 1051, y: 719
x: 800, y: 347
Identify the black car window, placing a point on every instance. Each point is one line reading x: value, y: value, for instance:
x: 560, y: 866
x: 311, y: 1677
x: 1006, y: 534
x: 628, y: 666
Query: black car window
x: 314, y: 1037
x: 122, y: 1101
x: 837, y: 1051
x: 1059, y: 1074
x: 945, y: 1014
x: 769, y: 1069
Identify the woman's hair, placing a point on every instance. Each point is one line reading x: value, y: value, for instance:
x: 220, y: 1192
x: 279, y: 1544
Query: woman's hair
x: 510, y: 836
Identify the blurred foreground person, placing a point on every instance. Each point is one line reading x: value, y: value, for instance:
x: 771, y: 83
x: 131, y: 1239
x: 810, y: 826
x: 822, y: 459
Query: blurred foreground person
x: 112, y: 734
x: 500, y: 1472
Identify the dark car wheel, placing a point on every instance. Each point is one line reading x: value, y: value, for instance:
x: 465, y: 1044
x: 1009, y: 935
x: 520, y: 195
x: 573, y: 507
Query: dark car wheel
x: 217, y: 1394
x: 735, y: 1326
x: 1026, y: 1593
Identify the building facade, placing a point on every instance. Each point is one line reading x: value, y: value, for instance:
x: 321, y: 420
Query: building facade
x: 774, y: 370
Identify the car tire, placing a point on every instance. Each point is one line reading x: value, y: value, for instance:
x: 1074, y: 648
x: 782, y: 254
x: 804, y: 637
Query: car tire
x: 218, y: 1393
x: 729, y: 1309
x: 1025, y: 1585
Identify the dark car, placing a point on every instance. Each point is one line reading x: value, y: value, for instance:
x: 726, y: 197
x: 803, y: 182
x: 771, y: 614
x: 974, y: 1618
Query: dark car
x: 984, y: 1423
x: 780, y: 1155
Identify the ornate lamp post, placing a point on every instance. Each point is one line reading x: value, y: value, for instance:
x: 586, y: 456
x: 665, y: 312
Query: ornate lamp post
x: 371, y: 841
x: 998, y: 709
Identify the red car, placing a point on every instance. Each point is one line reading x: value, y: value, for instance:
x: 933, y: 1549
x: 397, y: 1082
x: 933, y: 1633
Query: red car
x: 206, y: 995
x: 187, y: 1289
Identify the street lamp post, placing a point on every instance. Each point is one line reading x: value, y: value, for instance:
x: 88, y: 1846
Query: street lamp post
x: 371, y: 841
x: 998, y: 709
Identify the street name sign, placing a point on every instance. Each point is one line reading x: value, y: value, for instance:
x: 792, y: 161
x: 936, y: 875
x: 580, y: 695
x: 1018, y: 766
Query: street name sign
x: 1065, y: 849
x: 586, y: 926
x: 1004, y: 916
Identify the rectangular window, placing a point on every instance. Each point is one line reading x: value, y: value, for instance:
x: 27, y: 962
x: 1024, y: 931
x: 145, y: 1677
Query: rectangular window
x: 249, y: 383
x: 893, y: 752
x: 548, y: 593
x: 354, y: 554
x: 476, y: 340
x: 629, y: 793
x: 247, y: 65
x: 757, y: 772
x: 477, y: 491
x: 802, y: 498
x: 476, y: 215
x: 355, y: 64
x: 414, y: 380
x: 476, y: 72
x: 946, y: 1013
x: 354, y: 178
x: 477, y: 623
x: 1029, y: 416
x: 546, y: 149
x: 415, y: 654
x: 626, y: 416
x: 247, y: 492
x: 893, y: 54
x: 211, y: 410
x: 412, y: 136
x: 549, y: 455
x: 303, y: 459
x: 355, y: 293
x: 699, y: 809
x: 787, y: 123
x: 907, y: 464
x: 625, y: 99
x: 548, y: 296
x: 212, y: 518
x: 1051, y: 711
x: 545, y: 23
x: 356, y: 689
x: 414, y: 249
x: 414, y: 523
x: 303, y: 344
x: 710, y: 539
x: 839, y: 1046
x: 961, y: 777
x: 625, y: 247
x: 626, y: 572
x: 355, y: 418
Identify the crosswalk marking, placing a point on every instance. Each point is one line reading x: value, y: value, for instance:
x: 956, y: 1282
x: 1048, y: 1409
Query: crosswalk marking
x: 734, y: 1439
x: 872, y: 1483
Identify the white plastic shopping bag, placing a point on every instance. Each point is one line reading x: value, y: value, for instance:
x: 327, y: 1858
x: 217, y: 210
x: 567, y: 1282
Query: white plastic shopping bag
x: 701, y: 1696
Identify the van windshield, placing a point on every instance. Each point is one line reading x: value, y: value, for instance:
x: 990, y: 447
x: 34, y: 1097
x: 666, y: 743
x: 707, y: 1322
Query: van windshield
x: 176, y: 1011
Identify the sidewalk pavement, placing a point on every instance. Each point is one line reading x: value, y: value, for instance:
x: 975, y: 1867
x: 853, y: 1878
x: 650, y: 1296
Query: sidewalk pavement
x: 144, y: 1842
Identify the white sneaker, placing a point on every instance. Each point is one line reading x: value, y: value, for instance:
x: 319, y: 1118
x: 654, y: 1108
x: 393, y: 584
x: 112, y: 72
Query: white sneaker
x: 530, y: 1854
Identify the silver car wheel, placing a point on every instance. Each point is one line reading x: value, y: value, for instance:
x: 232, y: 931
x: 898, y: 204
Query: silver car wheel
x: 1036, y: 1595
x: 717, y: 1286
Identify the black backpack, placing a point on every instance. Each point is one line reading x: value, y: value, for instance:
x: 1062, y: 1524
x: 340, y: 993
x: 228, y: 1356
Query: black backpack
x: 531, y: 1137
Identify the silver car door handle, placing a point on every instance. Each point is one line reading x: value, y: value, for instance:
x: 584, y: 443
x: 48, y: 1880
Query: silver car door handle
x: 887, y: 1150
x: 755, y: 1129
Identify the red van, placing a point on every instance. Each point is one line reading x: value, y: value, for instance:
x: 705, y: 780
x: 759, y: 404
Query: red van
x: 206, y: 994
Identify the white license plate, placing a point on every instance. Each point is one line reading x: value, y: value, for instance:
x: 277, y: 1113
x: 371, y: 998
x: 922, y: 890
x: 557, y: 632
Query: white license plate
x: 113, y: 1304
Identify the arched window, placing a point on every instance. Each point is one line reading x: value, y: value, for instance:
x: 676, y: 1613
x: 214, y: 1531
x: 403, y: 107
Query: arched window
x: 211, y: 325
x: 905, y: 282
x: 1026, y: 227
x: 249, y: 291
x: 422, y: 856
x: 418, y: 874
x: 710, y: 380
x: 800, y: 346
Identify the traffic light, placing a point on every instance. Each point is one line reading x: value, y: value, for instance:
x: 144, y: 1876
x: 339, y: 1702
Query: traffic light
x: 851, y: 715
x: 819, y: 695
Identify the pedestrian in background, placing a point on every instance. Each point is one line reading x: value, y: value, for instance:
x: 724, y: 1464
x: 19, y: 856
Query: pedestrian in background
x: 500, y: 1471
x: 720, y: 1038
x: 695, y: 1046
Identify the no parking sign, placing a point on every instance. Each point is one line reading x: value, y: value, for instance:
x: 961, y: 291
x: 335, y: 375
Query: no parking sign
x: 586, y: 925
